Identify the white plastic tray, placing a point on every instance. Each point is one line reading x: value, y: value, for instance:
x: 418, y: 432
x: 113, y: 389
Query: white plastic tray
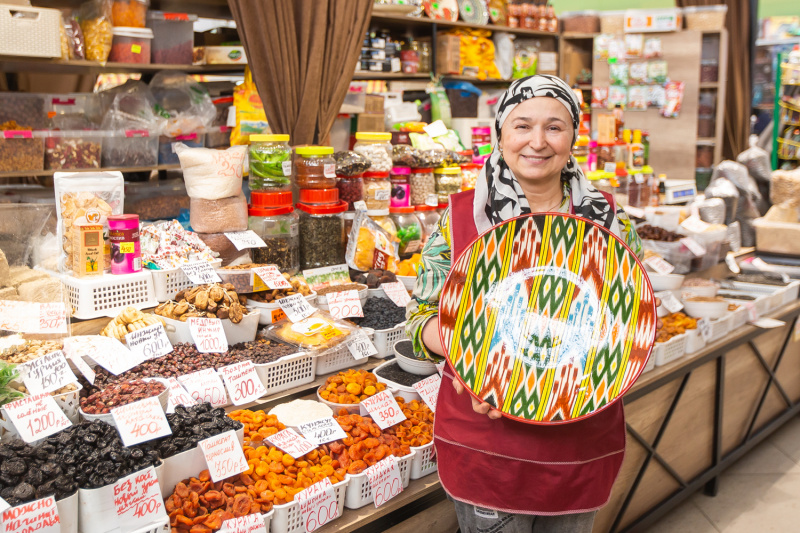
x: 287, y: 372
x: 107, y: 295
x: 339, y: 357
x: 424, y: 461
x: 666, y: 352
x: 267, y: 309
x: 359, y: 491
x: 288, y: 519
x: 385, y: 338
x: 244, y: 331
x: 409, y: 394
x: 169, y: 282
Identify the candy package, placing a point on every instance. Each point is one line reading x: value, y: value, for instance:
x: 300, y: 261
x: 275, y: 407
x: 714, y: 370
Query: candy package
x: 317, y: 333
x: 657, y: 71
x: 674, y: 95
x: 637, y: 98
x: 370, y: 246
x: 599, y: 97
x: 617, y: 94
x: 634, y: 45
x: 652, y: 47
x: 619, y: 73
x: 637, y: 74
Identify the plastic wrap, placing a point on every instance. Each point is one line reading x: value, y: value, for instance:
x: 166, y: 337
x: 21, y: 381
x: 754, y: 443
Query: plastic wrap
x: 757, y: 161
x: 219, y: 216
x: 749, y: 203
x: 349, y: 163
x: 712, y: 210
x: 95, y: 19
x: 370, y: 246
x: 212, y: 174
x: 225, y: 248
x: 184, y: 102
x: 726, y: 191
x: 318, y: 332
x: 131, y: 107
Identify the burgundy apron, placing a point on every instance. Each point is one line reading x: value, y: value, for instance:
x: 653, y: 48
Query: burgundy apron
x: 515, y: 467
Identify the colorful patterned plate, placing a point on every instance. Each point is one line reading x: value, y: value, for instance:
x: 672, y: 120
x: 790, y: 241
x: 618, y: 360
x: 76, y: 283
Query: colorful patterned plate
x: 549, y: 318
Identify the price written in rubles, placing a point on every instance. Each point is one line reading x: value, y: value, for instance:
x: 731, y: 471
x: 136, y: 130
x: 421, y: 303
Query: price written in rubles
x: 290, y: 442
x: 224, y: 455
x: 243, y: 382
x: 208, y: 334
x: 36, y: 417
x: 318, y: 505
x: 383, y: 409
x: 384, y: 479
x: 205, y: 386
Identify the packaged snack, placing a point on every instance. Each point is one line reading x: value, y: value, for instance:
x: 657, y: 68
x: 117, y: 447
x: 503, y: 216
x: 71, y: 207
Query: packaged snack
x: 350, y: 163
x: 637, y: 98
x: 74, y: 35
x: 184, y: 102
x: 599, y: 97
x: 637, y: 73
x: 404, y: 155
x: 657, y: 71
x: 617, y: 94
x: 601, y: 46
x: 318, y: 332
x: 634, y: 45
x: 674, y: 95
x: 370, y: 246
x: 95, y: 18
x: 619, y: 73
x: 652, y: 47
x: 656, y: 96
x: 616, y: 49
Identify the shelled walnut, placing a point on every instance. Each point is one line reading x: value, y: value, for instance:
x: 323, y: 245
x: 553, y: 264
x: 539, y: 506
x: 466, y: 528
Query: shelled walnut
x: 206, y: 301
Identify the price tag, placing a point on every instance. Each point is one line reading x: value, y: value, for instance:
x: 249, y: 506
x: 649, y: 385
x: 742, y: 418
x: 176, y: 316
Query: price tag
x: 286, y: 166
x: 610, y: 167
x: 296, y: 307
x: 384, y: 479
x: 290, y: 442
x: 178, y: 396
x: 252, y: 523
x: 318, y: 505
x: 47, y: 373
x: 243, y: 383
x: 704, y: 325
x: 638, y: 178
x: 276, y: 315
x: 37, y: 417
x: 141, y: 421
x: 360, y: 205
x: 383, y: 409
x: 768, y: 323
x: 4, y: 505
x: 322, y: 431
x: 40, y: 516
x: 435, y: 129
x: 149, y: 343
x: 668, y: 300
x: 32, y: 317
x: 205, y: 386
x: 695, y: 224
x: 345, y: 304
x: 659, y: 265
x: 318, y: 278
x: 138, y: 501
x: 733, y: 266
x: 695, y: 247
x: 224, y: 455
x: 245, y: 239
x: 752, y: 312
x: 208, y: 335
x: 84, y: 369
x: 200, y: 272
x: 396, y: 292
x: 105, y: 351
x: 428, y: 389
x: 272, y: 277
x: 360, y: 346
x: 329, y: 170
x: 432, y: 200
x: 634, y: 211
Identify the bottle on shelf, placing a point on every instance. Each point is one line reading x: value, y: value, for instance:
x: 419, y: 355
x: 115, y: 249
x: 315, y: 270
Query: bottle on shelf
x: 636, y: 151
x: 646, y: 147
x: 619, y: 121
x: 591, y: 159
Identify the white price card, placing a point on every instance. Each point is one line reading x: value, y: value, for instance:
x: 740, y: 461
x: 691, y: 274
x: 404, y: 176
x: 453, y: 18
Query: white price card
x: 435, y: 129
x: 200, y: 272
x: 695, y: 224
x: 668, y: 300
x: 383, y: 409
x: 638, y: 178
x: 4, y: 505
x: 752, y: 312
x: 704, y: 325
x: 695, y: 247
x: 658, y: 264
x: 149, y: 343
x: 252, y: 523
x: 360, y: 346
x: 428, y: 389
x: 610, y: 167
x: 432, y: 200
x: 733, y: 266
x: 178, y: 395
x: 396, y: 292
x: 768, y: 323
x: 83, y: 367
x: 40, y: 516
x: 634, y: 211
x: 224, y: 455
x: 384, y: 479
x: 291, y: 442
x: 345, y: 304
x: 105, y: 351
x: 272, y: 277
x: 141, y: 421
x: 138, y: 501
x: 208, y: 335
x: 205, y: 386
x: 37, y: 417
x: 318, y: 278
x: 244, y: 385
x: 245, y: 239
x: 47, y: 373
x: 318, y: 505
x: 32, y: 317
x: 322, y: 431
x: 296, y: 307
x: 360, y: 205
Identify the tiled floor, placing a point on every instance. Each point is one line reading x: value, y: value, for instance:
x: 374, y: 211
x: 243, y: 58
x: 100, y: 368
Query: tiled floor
x: 759, y: 494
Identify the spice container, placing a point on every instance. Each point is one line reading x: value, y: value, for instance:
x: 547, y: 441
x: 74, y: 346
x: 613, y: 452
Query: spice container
x: 173, y: 37
x: 428, y: 217
x: 709, y: 70
x: 123, y: 233
x: 315, y: 167
x: 130, y: 148
x: 166, y: 150
x: 131, y: 45
x: 706, y: 126
x: 469, y: 176
x: 704, y: 157
x: 26, y: 109
x: 270, y: 163
x: 73, y: 149
x: 640, y: 187
x: 448, y: 181
x: 377, y: 147
x: 381, y: 217
x: 351, y: 189
x: 130, y: 13
x: 322, y: 239
x: 422, y: 185
x: 377, y: 190
x: 273, y: 218
x: 21, y: 150
x: 409, y: 231
x: 400, y: 187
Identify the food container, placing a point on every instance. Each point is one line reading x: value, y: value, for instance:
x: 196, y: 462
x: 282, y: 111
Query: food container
x: 580, y: 21
x: 612, y: 21
x: 244, y: 331
x: 448, y: 181
x: 409, y: 230
x: 29, y: 31
x: 709, y: 70
x: 273, y: 218
x: 707, y: 290
x: 359, y: 491
x: 322, y: 239
x: 665, y: 282
x: 130, y: 13
x: 75, y: 111
x: 408, y: 393
x: 705, y: 309
x: 705, y: 18
x: 351, y: 189
x: 270, y: 160
x: 108, y: 418
x: 173, y: 37
x: 414, y: 366
x: 428, y: 218
x: 704, y: 157
x: 26, y: 109
x: 130, y: 148
x: 712, y: 242
x: 777, y: 237
x: 21, y: 150
x: 322, y: 299
x: 706, y: 126
x: 225, y: 55
x: 400, y: 187
x: 156, y: 200
x: 131, y: 45
x: 218, y: 137
x: 272, y: 312
x: 315, y: 167
x: 381, y: 217
x: 377, y: 190
x: 423, y: 186
x: 349, y: 217
x: 166, y: 146
x: 470, y: 173
x: 377, y: 147
x: 123, y: 233
x: 73, y: 150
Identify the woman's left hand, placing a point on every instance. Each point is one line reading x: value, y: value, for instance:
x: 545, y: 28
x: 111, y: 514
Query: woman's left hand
x: 658, y: 320
x: 482, y: 408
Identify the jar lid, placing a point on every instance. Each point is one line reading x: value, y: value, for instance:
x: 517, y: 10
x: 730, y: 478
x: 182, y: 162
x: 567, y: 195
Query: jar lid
x: 375, y: 175
x: 340, y: 207
x: 319, y: 196
x: 136, y: 33
x: 443, y: 206
x: 448, y: 170
x: 401, y: 170
x: 274, y: 137
x: 254, y: 211
x: 270, y: 199
x: 424, y: 207
x: 306, y: 151
x: 404, y: 209
x: 422, y: 170
x: 373, y: 136
x: 471, y: 165
x: 378, y: 212
x: 123, y: 217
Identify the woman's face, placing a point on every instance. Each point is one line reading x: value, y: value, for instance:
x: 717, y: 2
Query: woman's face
x: 536, y: 140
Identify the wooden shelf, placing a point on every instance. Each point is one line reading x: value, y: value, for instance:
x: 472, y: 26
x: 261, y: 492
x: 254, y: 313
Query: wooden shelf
x: 45, y: 173
x: 706, y: 141
x: 59, y: 66
x: 421, y: 22
x: 396, y: 76
x: 585, y: 86
x: 709, y: 85
x: 489, y: 81
x: 578, y: 35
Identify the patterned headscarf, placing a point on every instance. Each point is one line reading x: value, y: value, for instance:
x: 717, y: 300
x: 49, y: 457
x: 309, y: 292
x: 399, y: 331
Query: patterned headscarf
x: 499, y: 197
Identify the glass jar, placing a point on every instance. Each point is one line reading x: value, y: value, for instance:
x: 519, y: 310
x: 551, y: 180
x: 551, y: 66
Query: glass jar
x: 422, y: 185
x: 409, y: 231
x: 448, y: 181
x: 348, y: 217
x: 424, y: 56
x: 381, y: 217
x: 351, y: 189
x: 322, y: 239
x: 377, y: 190
x: 442, y: 208
x: 377, y: 147
x: 400, y: 186
x: 315, y: 167
x: 272, y: 217
x: 428, y: 217
x: 469, y: 176
x: 270, y: 163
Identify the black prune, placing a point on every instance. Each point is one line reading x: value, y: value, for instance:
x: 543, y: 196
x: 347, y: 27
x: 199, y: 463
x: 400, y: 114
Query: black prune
x: 34, y: 476
x: 13, y: 467
x: 24, y: 492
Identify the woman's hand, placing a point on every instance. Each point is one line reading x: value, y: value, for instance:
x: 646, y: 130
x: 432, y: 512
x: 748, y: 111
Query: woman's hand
x: 482, y: 408
x: 658, y: 320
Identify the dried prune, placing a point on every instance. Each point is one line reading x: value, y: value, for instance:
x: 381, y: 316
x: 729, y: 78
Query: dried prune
x: 13, y: 467
x: 24, y: 491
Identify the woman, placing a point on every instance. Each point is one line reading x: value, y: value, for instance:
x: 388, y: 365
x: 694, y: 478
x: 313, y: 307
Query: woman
x: 504, y: 475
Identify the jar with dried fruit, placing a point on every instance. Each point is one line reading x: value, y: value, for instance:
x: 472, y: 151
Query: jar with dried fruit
x: 377, y: 190
x: 409, y: 231
x: 129, y: 13
x: 351, y: 189
x: 315, y: 168
x: 322, y: 239
x: 273, y: 218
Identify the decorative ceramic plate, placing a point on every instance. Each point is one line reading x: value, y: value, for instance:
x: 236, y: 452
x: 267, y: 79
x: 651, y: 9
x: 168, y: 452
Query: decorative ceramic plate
x: 473, y: 11
x: 549, y: 318
x: 441, y: 9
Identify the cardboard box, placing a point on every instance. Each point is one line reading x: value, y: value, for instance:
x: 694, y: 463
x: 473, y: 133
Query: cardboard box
x: 548, y: 63
x: 448, y: 54
x: 370, y: 122
x: 225, y: 55
x: 373, y: 104
x: 655, y: 20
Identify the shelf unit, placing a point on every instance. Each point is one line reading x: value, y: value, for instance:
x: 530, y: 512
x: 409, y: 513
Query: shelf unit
x: 719, y: 88
x: 785, y: 152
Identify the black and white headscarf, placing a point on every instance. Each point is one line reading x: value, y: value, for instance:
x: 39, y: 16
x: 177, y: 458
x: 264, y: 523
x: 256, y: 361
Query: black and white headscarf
x: 499, y: 197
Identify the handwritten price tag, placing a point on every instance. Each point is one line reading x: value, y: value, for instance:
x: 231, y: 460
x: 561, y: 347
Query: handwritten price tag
x: 290, y: 442
x: 200, y: 272
x: 360, y: 346
x: 245, y: 239
x: 37, y: 417
x: 345, y: 304
x: 318, y: 505
x: 178, y: 396
x: 47, y: 373
x: 322, y: 431
x: 317, y: 278
x: 149, y: 343
x: 396, y: 292
x: 84, y: 368
x: 243, y: 383
x: 440, y: 368
x: 137, y: 500
x: 272, y: 277
x: 205, y: 386
x: 105, y: 351
x: 252, y: 523
x: 208, y: 335
x: 224, y: 455
x: 384, y: 479
x: 4, y: 505
x: 141, y: 421
x: 296, y: 307
x: 428, y: 388
x: 695, y: 247
x: 704, y: 325
x: 383, y: 409
x: 658, y: 264
x: 32, y: 317
x: 40, y: 516
x: 668, y: 300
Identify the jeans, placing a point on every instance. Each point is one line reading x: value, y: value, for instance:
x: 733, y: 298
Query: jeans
x: 473, y: 519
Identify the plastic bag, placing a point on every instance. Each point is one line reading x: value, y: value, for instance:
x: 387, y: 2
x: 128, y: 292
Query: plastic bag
x: 756, y: 160
x: 504, y: 53
x: 72, y: 31
x: 316, y: 333
x: 404, y: 155
x: 350, y: 163
x: 250, y: 116
x: 185, y: 103
x: 95, y: 19
x: 674, y: 94
x: 725, y: 190
x: 748, y: 196
x: 131, y: 107
x: 370, y: 246
x: 212, y: 174
x: 218, y: 216
x: 526, y: 58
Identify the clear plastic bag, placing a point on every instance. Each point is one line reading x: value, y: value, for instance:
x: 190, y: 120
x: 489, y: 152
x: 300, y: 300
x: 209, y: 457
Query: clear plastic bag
x: 316, y: 333
x: 757, y: 161
x: 131, y: 107
x: 349, y: 163
x: 95, y: 19
x: 74, y: 35
x: 748, y: 197
x: 185, y: 103
x: 212, y: 174
x: 370, y: 246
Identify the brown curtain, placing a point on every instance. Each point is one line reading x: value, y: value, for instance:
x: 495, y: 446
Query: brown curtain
x: 302, y: 54
x: 737, y: 98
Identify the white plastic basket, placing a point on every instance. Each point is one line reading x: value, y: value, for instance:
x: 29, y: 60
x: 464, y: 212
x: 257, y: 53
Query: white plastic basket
x: 666, y: 352
x: 288, y: 519
x: 339, y: 357
x: 267, y: 310
x: 244, y: 331
x: 773, y: 296
x: 424, y: 461
x: 287, y: 372
x: 651, y: 362
x: 409, y: 394
x: 720, y: 327
x: 69, y: 402
x: 790, y: 292
x: 385, y: 338
x: 169, y: 282
x: 694, y: 341
x: 106, y: 295
x: 359, y: 491
x: 738, y: 317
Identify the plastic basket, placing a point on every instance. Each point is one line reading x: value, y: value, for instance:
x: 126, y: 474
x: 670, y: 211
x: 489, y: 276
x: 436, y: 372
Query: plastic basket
x: 409, y: 394
x: 106, y: 295
x: 30, y: 31
x: 788, y: 149
x: 288, y: 519
x: 167, y: 283
x: 339, y: 357
x: 772, y: 294
x: 287, y: 372
x: 721, y: 327
x: 385, y: 338
x: 789, y: 293
x: 424, y: 461
x: 359, y: 491
x: 738, y: 317
x: 694, y: 341
x: 69, y: 402
x: 651, y: 363
x: 666, y: 352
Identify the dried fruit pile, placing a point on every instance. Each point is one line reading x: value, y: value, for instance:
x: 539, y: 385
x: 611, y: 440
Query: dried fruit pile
x: 28, y: 473
x: 351, y: 386
x: 258, y: 425
x: 104, y: 401
x: 417, y: 429
x: 364, y: 445
x: 189, y: 426
x: 206, y: 301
